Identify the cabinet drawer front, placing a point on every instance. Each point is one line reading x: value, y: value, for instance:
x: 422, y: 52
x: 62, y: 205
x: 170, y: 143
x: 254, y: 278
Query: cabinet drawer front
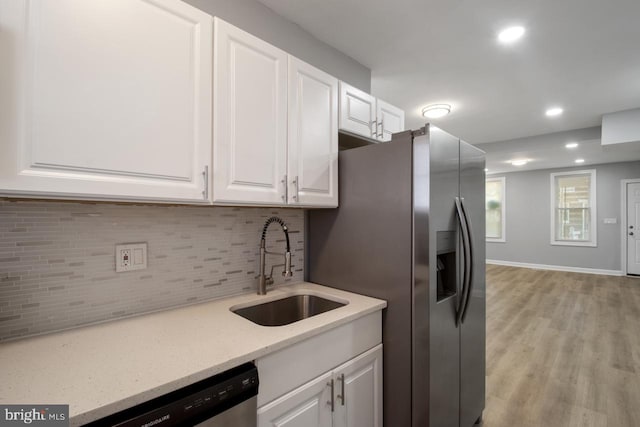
x: 293, y: 366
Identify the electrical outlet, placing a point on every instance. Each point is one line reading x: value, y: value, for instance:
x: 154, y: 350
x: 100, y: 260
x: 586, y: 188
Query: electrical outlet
x: 131, y: 256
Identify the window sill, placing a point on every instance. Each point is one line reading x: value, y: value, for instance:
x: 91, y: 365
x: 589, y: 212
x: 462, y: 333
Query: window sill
x: 582, y: 244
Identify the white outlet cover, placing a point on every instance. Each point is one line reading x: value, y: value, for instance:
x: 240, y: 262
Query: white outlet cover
x: 131, y: 256
x: 611, y: 220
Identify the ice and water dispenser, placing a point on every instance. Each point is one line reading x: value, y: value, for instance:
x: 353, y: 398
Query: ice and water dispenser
x: 446, y: 268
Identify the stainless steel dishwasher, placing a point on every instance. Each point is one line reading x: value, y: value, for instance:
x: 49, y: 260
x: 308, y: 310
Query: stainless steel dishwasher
x: 228, y: 399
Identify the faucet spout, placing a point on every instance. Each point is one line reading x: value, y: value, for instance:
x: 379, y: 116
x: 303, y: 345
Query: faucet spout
x: 263, y: 280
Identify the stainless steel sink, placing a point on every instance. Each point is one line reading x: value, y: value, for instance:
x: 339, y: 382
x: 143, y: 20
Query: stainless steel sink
x: 287, y: 310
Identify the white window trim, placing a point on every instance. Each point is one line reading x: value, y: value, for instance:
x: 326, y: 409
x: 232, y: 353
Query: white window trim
x: 594, y: 214
x: 503, y: 180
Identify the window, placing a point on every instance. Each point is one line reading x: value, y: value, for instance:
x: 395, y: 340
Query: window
x: 495, y: 209
x: 573, y: 208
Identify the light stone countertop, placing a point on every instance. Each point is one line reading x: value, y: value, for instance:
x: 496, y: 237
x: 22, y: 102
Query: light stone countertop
x: 105, y: 368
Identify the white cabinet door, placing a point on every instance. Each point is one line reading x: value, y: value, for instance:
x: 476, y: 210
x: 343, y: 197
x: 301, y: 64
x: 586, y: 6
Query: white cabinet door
x: 390, y: 120
x: 306, y: 406
x: 357, y: 111
x: 359, y: 391
x: 250, y: 118
x: 313, y: 136
x: 105, y: 100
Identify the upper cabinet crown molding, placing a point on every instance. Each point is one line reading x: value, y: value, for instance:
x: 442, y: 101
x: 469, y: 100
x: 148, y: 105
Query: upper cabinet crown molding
x: 100, y: 109
x: 362, y: 114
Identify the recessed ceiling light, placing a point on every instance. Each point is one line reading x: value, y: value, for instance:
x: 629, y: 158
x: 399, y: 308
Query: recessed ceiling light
x: 520, y: 162
x: 435, y: 111
x: 486, y: 169
x: 511, y: 34
x: 553, y: 112
x: 579, y: 160
x: 572, y: 145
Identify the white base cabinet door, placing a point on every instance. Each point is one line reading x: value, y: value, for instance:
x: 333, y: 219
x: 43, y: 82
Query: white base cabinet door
x: 359, y: 391
x: 390, y: 120
x: 306, y: 406
x: 313, y: 136
x: 105, y: 100
x: 347, y: 396
x: 250, y: 118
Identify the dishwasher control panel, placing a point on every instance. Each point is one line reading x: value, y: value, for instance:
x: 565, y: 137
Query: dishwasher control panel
x: 192, y: 404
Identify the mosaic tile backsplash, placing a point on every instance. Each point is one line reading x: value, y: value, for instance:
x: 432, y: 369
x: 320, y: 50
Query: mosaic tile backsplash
x: 57, y: 259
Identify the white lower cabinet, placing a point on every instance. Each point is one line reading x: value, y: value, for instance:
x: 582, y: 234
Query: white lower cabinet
x: 348, y: 396
x: 306, y: 406
x: 358, y: 388
x: 331, y: 380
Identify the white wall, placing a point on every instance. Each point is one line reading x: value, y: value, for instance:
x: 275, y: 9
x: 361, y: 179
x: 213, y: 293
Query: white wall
x: 259, y: 20
x: 528, y: 218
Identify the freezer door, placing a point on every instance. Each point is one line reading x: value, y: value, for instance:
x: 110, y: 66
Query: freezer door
x: 472, y: 329
x: 438, y: 335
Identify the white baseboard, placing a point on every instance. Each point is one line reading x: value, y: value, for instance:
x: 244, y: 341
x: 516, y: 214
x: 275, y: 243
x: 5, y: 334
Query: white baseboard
x: 556, y: 267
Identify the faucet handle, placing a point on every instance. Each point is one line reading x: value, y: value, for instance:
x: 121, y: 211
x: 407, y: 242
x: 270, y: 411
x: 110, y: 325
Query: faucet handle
x: 287, y: 265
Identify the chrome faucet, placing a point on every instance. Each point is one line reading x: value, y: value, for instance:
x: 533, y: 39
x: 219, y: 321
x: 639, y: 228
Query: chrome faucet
x: 263, y: 280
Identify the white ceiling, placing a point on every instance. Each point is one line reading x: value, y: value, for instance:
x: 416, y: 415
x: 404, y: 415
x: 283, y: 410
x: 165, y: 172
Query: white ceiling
x: 583, y: 55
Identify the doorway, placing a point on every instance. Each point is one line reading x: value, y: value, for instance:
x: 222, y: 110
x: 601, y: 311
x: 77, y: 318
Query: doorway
x: 631, y: 226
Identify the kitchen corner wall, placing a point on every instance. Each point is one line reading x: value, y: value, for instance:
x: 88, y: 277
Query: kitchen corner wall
x: 57, y: 259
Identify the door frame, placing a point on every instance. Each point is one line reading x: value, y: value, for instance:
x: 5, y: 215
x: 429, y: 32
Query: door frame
x: 623, y: 222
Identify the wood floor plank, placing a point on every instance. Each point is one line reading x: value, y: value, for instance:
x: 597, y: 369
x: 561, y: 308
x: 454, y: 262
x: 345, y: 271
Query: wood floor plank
x: 563, y: 349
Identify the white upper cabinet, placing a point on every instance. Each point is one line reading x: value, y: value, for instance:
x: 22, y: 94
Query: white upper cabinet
x: 105, y: 100
x: 357, y: 111
x: 250, y: 118
x: 363, y: 114
x: 313, y: 136
x: 275, y: 125
x: 390, y: 120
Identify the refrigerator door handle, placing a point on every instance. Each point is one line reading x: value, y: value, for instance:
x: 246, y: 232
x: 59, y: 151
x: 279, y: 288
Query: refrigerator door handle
x: 467, y: 258
x: 469, y: 286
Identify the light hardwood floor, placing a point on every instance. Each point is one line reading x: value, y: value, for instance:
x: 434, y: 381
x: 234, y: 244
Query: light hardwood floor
x: 563, y: 349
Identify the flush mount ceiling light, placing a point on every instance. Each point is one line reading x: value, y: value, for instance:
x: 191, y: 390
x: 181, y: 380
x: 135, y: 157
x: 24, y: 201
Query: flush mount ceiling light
x: 435, y: 111
x: 579, y: 160
x: 572, y: 145
x: 519, y: 162
x: 486, y: 169
x: 554, y: 112
x: 511, y: 34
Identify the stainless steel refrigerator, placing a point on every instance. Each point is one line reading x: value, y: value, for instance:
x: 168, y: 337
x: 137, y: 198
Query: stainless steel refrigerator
x: 410, y: 228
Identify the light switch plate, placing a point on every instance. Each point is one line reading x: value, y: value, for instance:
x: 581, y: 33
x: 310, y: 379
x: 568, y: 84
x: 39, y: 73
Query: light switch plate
x: 611, y: 220
x: 131, y: 256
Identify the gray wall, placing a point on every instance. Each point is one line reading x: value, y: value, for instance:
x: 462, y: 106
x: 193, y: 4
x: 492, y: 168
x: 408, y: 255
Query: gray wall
x: 57, y: 259
x: 529, y: 224
x: 259, y: 20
